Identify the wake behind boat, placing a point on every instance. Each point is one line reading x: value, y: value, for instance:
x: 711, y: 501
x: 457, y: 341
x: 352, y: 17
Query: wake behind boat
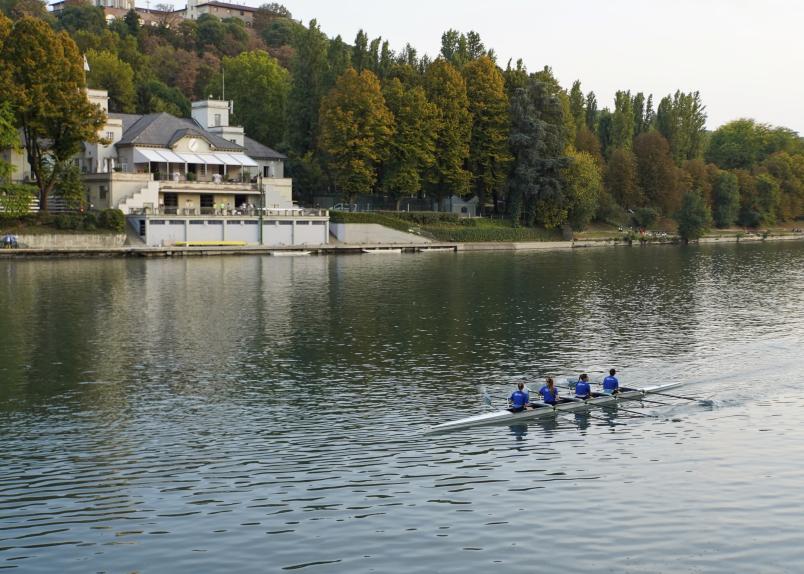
x: 541, y: 410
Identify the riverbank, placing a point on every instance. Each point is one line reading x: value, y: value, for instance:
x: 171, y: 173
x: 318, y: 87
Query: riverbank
x: 337, y: 248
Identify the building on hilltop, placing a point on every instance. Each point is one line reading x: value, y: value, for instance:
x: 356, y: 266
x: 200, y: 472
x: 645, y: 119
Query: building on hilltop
x: 222, y: 10
x: 114, y: 9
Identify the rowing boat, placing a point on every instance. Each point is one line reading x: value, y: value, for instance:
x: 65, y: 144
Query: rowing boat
x: 382, y: 250
x: 541, y: 410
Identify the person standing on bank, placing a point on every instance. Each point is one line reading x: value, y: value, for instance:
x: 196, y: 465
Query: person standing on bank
x: 549, y: 392
x: 582, y: 388
x: 519, y: 398
x: 610, y: 384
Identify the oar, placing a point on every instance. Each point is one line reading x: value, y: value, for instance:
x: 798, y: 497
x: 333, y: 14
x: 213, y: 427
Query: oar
x: 619, y: 408
x: 705, y: 402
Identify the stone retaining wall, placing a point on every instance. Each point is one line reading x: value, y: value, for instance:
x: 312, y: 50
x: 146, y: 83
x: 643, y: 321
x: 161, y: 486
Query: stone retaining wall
x: 72, y: 240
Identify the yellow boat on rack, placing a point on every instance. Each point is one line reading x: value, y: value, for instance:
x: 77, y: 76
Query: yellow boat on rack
x: 210, y: 243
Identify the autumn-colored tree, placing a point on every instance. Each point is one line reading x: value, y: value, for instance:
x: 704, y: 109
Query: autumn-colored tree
x: 447, y: 90
x: 582, y: 187
x: 488, y: 148
x: 658, y: 179
x: 622, y: 181
x: 47, y: 90
x: 412, y: 149
x: 356, y: 126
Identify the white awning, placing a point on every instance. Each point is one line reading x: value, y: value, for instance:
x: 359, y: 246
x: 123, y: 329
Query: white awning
x: 226, y: 159
x: 170, y: 156
x: 210, y: 158
x: 191, y: 158
x: 142, y: 155
x: 244, y: 160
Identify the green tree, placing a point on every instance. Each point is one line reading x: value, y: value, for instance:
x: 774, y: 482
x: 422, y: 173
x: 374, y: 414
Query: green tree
x: 622, y: 121
x: 82, y: 16
x: 488, y: 147
x: 682, y: 120
x: 768, y: 198
x: 308, y: 73
x: 538, y: 143
x: 788, y: 170
x: 132, y: 21
x: 47, y: 91
x: 694, y: 218
x: 211, y: 31
x: 412, y: 149
x: 582, y: 185
x: 360, y: 52
x: 744, y: 143
x: 155, y: 96
x: 447, y: 90
x: 259, y: 87
x: 71, y: 188
x: 356, y: 127
x: 591, y: 111
x: 725, y: 199
x: 577, y: 105
x: 9, y: 139
x: 108, y: 72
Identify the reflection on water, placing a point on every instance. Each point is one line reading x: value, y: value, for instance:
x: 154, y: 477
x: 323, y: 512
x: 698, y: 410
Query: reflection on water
x: 266, y: 413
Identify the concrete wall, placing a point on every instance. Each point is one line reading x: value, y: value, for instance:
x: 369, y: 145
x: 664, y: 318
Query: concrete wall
x: 372, y: 233
x: 166, y: 231
x: 67, y: 241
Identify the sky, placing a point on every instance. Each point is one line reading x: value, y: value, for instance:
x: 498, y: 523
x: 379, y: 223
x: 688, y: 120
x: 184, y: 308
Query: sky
x: 745, y: 57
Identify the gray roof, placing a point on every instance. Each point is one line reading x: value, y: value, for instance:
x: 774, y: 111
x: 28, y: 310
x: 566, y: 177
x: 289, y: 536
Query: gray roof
x: 128, y: 119
x: 256, y: 150
x: 161, y: 129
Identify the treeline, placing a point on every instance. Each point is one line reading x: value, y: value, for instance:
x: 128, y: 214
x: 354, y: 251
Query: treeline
x: 361, y: 118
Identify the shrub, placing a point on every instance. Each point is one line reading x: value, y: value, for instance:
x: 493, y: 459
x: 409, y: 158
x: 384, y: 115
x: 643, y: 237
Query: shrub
x: 644, y: 217
x: 15, y: 200
x: 112, y: 219
x: 68, y: 221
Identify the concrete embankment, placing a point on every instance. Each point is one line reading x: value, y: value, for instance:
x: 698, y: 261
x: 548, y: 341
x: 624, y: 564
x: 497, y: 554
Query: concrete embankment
x: 338, y: 248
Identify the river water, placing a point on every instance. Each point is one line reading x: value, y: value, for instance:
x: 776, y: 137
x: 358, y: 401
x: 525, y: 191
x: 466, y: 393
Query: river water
x: 249, y: 414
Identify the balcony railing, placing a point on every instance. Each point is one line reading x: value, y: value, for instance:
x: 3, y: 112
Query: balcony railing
x: 242, y: 212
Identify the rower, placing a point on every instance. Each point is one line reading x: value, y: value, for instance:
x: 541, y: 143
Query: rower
x: 518, y: 399
x: 582, y: 388
x: 549, y: 392
x: 611, y: 385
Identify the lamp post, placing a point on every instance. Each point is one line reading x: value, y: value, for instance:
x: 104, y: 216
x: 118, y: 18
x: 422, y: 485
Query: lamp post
x: 262, y: 204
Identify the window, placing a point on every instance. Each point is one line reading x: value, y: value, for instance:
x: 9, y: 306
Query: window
x: 102, y: 191
x: 171, y: 200
x: 207, y: 200
x: 110, y: 136
x: 217, y: 121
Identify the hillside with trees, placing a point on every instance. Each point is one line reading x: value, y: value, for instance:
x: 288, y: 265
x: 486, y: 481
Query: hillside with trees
x: 361, y: 118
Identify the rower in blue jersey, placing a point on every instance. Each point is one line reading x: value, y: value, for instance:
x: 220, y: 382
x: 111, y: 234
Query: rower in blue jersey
x: 610, y: 384
x: 519, y: 398
x: 549, y: 392
x: 582, y: 388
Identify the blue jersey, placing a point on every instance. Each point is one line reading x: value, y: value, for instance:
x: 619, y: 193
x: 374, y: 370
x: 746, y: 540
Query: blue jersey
x: 519, y: 399
x: 610, y: 384
x: 582, y: 389
x: 548, y: 395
